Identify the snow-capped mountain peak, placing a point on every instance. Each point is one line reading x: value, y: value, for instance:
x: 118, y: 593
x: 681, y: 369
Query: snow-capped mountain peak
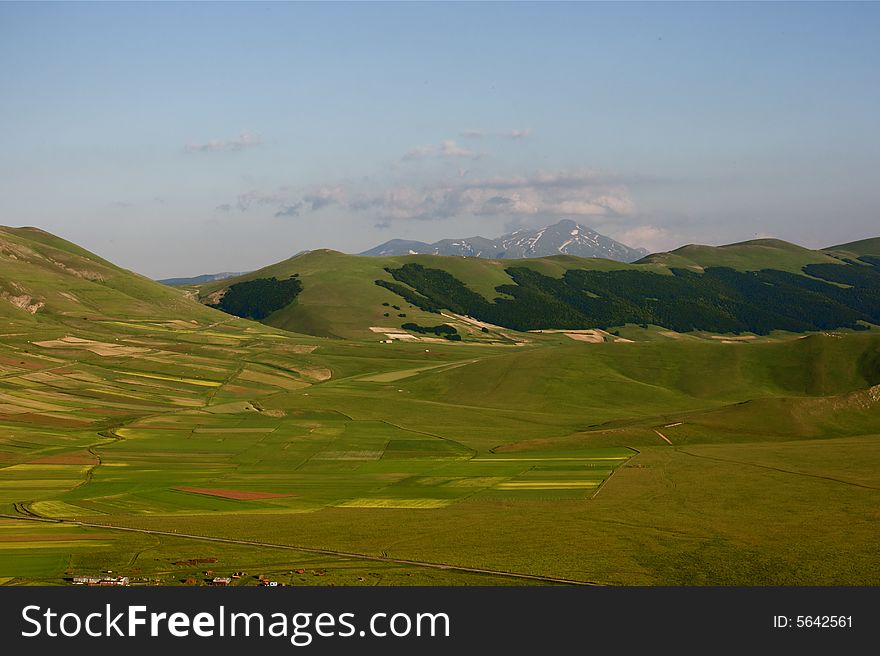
x: 566, y: 237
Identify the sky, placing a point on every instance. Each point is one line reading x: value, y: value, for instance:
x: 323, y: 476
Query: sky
x: 186, y: 138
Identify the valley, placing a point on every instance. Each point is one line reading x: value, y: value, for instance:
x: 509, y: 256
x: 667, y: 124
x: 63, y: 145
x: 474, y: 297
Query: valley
x: 148, y: 434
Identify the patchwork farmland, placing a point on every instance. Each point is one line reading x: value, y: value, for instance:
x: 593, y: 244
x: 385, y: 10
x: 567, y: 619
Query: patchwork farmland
x: 163, y: 440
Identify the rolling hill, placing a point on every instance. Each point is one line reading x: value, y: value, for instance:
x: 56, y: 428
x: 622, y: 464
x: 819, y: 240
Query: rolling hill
x: 855, y: 249
x: 681, y: 459
x: 44, y: 277
x: 755, y: 286
x: 752, y: 255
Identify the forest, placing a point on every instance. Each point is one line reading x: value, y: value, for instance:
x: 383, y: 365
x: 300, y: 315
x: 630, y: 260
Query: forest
x: 719, y: 299
x: 257, y: 299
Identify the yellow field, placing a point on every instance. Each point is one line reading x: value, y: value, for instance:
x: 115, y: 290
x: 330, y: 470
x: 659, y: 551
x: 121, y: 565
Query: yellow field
x: 53, y: 544
x: 74, y: 470
x: 175, y: 379
x: 60, y: 509
x: 395, y: 503
x: 548, y: 485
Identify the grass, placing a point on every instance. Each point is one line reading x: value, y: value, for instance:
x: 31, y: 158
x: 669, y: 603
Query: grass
x: 527, y: 441
x: 745, y: 256
x: 538, y: 458
x: 340, y: 300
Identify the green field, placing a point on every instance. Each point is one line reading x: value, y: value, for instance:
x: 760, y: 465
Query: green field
x: 143, y: 433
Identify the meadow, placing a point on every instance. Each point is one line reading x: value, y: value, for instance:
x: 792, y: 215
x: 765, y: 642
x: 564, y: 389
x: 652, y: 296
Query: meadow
x: 612, y: 462
x: 143, y: 433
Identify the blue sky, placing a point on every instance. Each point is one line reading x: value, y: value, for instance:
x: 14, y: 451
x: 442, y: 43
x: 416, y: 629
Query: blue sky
x: 183, y: 138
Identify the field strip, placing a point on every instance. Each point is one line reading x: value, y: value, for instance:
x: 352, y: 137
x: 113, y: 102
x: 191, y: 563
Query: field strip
x: 663, y: 437
x: 439, y: 437
x: 780, y: 470
x: 326, y: 552
x: 189, y: 381
x: 392, y: 376
x: 579, y: 459
x: 27, y: 372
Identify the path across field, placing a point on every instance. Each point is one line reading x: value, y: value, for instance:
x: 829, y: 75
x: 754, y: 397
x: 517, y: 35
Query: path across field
x: 326, y: 552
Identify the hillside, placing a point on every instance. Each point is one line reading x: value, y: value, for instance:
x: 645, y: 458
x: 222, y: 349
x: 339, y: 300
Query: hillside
x: 757, y: 286
x: 340, y: 298
x: 855, y: 248
x: 751, y: 255
x: 609, y: 461
x: 45, y: 278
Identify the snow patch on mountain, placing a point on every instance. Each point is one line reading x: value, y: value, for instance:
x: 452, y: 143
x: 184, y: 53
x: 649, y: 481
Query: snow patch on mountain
x: 565, y: 237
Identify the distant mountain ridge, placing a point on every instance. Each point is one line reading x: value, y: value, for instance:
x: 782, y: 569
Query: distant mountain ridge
x: 566, y: 237
x: 201, y: 280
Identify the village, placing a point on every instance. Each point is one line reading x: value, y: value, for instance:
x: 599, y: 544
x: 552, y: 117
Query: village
x: 209, y: 578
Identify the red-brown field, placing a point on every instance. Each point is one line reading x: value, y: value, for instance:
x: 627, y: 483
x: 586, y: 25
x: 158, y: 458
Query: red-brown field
x: 238, y: 495
x: 66, y: 459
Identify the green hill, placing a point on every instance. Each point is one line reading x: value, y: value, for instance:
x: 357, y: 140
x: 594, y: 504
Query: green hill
x: 694, y: 459
x: 45, y: 278
x: 340, y: 298
x: 751, y: 255
x: 757, y: 286
x: 855, y: 248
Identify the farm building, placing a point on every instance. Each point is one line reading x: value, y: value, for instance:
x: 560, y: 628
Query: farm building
x: 221, y: 581
x: 101, y: 580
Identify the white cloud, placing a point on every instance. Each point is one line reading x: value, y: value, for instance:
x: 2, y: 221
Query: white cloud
x: 553, y: 194
x: 246, y: 139
x: 450, y: 148
x: 446, y: 150
x: 325, y: 195
x: 522, y: 133
x: 254, y: 197
x: 420, y: 152
x: 653, y: 238
x: 544, y: 195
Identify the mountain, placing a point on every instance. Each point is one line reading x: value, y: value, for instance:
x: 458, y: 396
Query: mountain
x: 201, y: 280
x: 565, y: 237
x: 399, y: 247
x: 757, y: 286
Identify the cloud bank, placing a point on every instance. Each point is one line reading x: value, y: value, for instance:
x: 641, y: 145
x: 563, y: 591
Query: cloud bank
x: 244, y: 140
x: 447, y: 149
x: 545, y: 195
x: 517, y: 133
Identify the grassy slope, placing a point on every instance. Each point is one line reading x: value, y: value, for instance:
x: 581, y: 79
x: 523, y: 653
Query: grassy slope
x: 692, y: 513
x: 744, y: 256
x: 340, y: 298
x: 696, y: 512
x: 772, y: 477
x: 70, y: 281
x: 855, y: 248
